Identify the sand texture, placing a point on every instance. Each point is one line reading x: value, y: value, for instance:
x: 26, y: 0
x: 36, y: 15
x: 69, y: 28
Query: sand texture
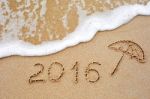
x: 30, y: 22
x: 131, y: 81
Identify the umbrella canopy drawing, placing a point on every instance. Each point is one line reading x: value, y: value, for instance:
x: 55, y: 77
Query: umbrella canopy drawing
x: 129, y: 48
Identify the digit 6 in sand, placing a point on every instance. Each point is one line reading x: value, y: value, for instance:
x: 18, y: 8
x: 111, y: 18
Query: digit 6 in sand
x: 89, y: 70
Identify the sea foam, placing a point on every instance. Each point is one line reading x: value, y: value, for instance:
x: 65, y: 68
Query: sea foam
x: 85, y: 31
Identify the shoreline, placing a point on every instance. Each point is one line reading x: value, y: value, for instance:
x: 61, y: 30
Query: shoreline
x: 130, y: 81
x: 90, y: 26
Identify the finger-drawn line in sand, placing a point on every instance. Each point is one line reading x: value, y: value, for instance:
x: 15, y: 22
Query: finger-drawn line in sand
x: 31, y: 80
x: 76, y: 72
x: 55, y: 78
x: 89, y: 69
x: 129, y: 48
x: 59, y: 77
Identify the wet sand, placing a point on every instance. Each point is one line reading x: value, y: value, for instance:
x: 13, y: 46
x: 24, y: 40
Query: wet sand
x: 131, y: 81
x: 60, y: 18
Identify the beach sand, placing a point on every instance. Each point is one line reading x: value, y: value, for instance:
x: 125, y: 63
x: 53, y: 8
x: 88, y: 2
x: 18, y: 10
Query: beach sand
x: 131, y: 81
x: 31, y: 23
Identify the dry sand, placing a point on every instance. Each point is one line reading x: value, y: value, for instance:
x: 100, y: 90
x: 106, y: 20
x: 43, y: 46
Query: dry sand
x: 131, y: 81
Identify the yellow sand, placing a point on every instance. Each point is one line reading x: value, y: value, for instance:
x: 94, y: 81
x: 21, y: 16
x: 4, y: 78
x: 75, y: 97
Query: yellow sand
x: 131, y: 81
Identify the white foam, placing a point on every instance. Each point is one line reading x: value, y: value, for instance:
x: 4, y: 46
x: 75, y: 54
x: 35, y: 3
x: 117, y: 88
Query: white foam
x: 84, y: 32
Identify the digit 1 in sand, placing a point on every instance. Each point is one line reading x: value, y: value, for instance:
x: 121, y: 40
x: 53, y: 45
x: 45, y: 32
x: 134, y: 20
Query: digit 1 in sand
x: 76, y: 68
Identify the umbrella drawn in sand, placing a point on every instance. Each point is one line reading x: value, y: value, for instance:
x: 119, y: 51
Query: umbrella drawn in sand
x: 127, y: 48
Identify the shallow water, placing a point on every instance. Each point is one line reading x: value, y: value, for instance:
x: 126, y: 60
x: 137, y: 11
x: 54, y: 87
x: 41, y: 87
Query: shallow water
x: 55, y: 25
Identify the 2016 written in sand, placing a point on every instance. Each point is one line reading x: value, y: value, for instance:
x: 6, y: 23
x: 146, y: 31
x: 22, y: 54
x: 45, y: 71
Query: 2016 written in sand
x: 126, y: 47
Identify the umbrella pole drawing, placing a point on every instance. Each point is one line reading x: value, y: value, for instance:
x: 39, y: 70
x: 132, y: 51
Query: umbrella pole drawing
x: 134, y: 47
x: 116, y: 68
